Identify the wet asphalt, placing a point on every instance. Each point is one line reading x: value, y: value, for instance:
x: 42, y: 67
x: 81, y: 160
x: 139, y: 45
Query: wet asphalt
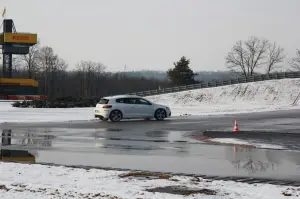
x: 174, y: 145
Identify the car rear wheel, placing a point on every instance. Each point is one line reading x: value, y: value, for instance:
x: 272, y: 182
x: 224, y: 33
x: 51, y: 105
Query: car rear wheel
x: 116, y: 116
x: 160, y: 114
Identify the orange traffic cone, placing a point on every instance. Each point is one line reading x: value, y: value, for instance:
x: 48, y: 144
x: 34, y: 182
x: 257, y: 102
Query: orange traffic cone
x: 235, y: 128
x: 235, y: 149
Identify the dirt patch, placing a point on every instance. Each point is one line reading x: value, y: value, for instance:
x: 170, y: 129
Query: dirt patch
x: 3, y: 187
x: 182, y: 190
x: 146, y: 175
x: 291, y: 192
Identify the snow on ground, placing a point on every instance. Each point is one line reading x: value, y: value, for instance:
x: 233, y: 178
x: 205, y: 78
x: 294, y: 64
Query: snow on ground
x: 13, y: 114
x: 241, y: 98
x: 38, y: 181
x: 244, y: 142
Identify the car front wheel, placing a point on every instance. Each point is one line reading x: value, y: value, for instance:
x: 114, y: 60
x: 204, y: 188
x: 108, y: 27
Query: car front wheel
x: 160, y: 114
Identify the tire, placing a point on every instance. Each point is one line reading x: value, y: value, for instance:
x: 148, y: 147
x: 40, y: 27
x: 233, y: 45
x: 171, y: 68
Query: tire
x: 115, y: 116
x: 160, y: 114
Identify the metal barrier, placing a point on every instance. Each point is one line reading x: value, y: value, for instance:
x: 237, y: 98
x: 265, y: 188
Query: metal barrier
x: 255, y: 78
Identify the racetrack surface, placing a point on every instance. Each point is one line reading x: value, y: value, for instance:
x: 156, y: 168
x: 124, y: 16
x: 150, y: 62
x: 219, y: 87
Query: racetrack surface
x: 276, y: 121
x: 174, y: 145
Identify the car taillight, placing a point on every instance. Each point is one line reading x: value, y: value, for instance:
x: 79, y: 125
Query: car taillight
x: 107, y: 106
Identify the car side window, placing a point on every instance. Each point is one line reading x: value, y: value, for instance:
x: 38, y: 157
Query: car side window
x: 133, y: 101
x: 142, y: 101
x: 125, y: 101
x: 120, y: 100
x: 128, y: 101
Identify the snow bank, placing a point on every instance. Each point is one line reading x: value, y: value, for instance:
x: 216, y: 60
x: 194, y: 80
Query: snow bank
x: 248, y: 97
x: 235, y: 141
x: 14, y: 114
x: 38, y: 181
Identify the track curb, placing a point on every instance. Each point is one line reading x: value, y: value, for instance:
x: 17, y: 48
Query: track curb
x: 240, y: 134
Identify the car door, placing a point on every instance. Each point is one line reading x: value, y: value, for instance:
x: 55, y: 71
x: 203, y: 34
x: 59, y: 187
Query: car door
x: 134, y: 107
x: 143, y: 108
x: 127, y: 107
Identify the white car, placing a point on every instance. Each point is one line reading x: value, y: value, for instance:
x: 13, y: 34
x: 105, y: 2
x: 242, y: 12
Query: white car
x: 116, y: 108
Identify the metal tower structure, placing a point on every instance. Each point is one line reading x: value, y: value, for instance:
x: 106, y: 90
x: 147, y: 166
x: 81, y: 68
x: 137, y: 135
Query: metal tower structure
x: 13, y: 42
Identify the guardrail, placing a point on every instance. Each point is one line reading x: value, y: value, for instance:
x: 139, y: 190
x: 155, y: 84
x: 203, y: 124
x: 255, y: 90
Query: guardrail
x: 218, y: 83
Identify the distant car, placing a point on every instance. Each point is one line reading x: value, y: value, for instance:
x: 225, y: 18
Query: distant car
x: 116, y: 108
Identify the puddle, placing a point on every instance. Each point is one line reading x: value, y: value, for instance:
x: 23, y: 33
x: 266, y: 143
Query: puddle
x: 166, y: 151
x: 113, y: 129
x: 166, y: 141
x: 198, y: 159
x: 147, y: 136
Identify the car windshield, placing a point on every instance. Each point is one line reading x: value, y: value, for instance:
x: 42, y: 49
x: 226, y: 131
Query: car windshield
x: 103, y: 101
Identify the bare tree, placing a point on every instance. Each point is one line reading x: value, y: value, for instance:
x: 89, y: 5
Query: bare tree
x: 90, y: 66
x: 51, y: 66
x: 16, y: 63
x: 275, y: 56
x: 47, y: 58
x: 245, y: 57
x: 295, y: 62
x: 30, y: 61
x: 90, y: 72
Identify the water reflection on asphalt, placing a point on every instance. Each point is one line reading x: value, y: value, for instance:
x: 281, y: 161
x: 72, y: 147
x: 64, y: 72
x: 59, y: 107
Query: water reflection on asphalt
x: 172, y: 151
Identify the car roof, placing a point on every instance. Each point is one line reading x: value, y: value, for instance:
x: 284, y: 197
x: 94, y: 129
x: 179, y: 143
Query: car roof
x: 120, y: 96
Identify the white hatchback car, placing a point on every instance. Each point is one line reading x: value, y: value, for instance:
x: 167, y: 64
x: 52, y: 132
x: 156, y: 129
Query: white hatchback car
x: 121, y: 107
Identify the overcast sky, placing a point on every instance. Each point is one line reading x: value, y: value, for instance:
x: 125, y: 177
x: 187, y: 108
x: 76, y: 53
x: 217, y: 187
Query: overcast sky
x: 153, y: 34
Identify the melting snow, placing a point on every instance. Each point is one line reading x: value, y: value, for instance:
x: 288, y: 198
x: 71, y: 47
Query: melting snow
x: 38, y: 181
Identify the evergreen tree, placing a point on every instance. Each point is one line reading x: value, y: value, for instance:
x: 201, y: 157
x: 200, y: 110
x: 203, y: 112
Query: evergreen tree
x: 182, y: 74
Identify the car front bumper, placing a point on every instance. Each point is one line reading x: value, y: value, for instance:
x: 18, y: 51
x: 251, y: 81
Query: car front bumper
x: 169, y: 112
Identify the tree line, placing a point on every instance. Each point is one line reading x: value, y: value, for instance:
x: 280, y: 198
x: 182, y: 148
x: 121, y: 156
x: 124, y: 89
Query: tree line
x: 89, y: 78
